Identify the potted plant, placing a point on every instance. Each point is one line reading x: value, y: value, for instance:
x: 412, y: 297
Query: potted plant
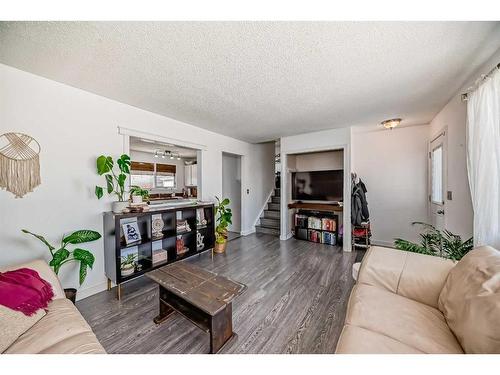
x: 128, y: 264
x: 436, y: 242
x: 63, y: 255
x: 223, y: 219
x: 138, y: 194
x: 115, y: 181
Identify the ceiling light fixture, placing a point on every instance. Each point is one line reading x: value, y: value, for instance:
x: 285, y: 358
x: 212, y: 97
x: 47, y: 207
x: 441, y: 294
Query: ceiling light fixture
x: 391, y: 124
x: 164, y: 154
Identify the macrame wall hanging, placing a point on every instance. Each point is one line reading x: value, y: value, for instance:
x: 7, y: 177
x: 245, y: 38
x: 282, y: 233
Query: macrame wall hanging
x: 19, y: 163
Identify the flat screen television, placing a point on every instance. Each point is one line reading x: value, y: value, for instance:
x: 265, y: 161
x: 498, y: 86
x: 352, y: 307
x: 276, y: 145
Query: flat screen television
x: 318, y: 185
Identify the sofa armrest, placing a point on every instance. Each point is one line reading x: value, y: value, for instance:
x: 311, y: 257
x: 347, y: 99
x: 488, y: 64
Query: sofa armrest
x: 415, y: 276
x: 45, y: 273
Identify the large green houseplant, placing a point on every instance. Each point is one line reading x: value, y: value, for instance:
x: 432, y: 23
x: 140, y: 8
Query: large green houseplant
x: 63, y: 255
x: 223, y: 219
x: 115, y: 181
x: 436, y: 242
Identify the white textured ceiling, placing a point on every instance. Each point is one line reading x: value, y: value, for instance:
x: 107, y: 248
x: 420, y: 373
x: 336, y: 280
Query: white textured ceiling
x: 257, y: 81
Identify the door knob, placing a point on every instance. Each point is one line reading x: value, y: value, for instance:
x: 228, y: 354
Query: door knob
x: 440, y: 212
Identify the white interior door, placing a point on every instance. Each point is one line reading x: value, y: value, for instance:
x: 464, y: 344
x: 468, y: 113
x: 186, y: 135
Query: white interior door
x: 437, y: 181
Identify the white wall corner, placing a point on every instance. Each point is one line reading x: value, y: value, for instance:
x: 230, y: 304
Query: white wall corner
x: 247, y: 231
x: 91, y: 290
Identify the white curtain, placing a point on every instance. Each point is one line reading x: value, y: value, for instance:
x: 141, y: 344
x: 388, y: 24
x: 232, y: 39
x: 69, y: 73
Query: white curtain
x: 483, y: 159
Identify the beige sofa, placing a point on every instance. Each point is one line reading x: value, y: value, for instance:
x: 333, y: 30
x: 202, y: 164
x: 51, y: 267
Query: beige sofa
x: 62, y: 330
x: 411, y: 303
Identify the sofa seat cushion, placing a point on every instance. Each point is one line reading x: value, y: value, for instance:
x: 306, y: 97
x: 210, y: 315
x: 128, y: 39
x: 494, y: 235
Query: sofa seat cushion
x: 357, y: 340
x: 470, y: 300
x: 14, y: 323
x: 414, y: 324
x: 63, y: 330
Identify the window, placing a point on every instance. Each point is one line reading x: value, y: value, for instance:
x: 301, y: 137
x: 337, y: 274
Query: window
x: 145, y: 181
x: 165, y: 181
x: 437, y: 175
x: 152, y: 175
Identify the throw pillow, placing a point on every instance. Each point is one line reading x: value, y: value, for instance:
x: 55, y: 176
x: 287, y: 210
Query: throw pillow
x: 470, y: 301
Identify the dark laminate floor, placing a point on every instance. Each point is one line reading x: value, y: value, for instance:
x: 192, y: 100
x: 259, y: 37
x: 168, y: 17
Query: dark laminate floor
x: 232, y: 236
x: 295, y: 302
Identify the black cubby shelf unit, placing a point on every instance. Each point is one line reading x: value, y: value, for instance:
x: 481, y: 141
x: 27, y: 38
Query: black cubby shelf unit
x: 153, y: 241
x: 316, y: 226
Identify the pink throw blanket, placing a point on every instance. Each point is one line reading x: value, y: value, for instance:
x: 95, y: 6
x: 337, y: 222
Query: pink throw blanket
x: 24, y: 290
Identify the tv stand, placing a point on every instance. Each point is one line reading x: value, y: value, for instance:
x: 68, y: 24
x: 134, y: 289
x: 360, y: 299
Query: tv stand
x: 326, y: 207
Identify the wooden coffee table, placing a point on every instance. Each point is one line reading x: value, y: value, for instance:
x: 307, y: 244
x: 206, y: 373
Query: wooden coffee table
x: 201, y: 296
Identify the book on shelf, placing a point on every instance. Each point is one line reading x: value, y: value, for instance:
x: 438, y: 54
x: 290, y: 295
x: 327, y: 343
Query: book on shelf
x: 328, y: 224
x: 328, y: 238
x: 314, y: 222
x: 314, y: 236
x: 301, y: 221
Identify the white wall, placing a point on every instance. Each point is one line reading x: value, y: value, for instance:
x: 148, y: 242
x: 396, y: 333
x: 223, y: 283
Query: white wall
x: 148, y: 157
x: 231, y: 188
x: 393, y: 166
x: 320, y: 161
x: 310, y: 142
x: 453, y: 117
x: 73, y: 127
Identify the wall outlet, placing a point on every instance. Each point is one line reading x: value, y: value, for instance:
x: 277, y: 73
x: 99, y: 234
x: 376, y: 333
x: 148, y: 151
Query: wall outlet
x: 449, y: 195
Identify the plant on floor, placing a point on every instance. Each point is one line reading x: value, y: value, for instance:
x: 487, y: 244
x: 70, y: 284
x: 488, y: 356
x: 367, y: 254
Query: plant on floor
x: 223, y: 219
x: 115, y: 182
x: 137, y: 191
x: 63, y: 255
x: 436, y: 242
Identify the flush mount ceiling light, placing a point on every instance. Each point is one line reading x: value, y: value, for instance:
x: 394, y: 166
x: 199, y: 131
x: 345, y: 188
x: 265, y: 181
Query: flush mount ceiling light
x: 391, y: 124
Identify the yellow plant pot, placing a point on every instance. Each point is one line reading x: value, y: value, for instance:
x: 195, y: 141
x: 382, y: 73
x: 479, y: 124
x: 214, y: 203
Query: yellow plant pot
x: 220, y: 248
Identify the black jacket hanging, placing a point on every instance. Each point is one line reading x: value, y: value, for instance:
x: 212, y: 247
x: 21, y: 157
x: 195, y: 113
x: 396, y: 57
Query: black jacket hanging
x: 359, y: 204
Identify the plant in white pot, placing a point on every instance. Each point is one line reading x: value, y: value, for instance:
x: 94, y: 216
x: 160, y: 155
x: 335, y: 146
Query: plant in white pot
x: 127, y: 265
x: 115, y: 181
x: 138, y: 194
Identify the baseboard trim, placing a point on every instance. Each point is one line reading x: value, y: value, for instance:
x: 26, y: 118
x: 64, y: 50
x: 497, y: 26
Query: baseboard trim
x: 91, y: 290
x: 247, y: 232
x: 286, y: 236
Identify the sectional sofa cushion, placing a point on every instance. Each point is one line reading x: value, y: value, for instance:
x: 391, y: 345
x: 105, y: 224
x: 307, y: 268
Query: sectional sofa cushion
x: 416, y: 326
x: 14, y: 323
x: 62, y: 331
x: 470, y: 301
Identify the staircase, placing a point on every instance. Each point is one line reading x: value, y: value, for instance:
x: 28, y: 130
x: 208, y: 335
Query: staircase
x: 270, y: 222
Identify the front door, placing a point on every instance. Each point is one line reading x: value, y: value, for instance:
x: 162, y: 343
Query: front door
x: 437, y: 180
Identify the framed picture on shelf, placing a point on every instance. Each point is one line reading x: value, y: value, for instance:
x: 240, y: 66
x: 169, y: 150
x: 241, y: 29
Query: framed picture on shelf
x: 131, y: 232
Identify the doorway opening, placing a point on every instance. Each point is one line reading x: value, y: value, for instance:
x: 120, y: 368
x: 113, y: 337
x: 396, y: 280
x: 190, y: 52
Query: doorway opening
x: 231, y: 189
x: 166, y: 170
